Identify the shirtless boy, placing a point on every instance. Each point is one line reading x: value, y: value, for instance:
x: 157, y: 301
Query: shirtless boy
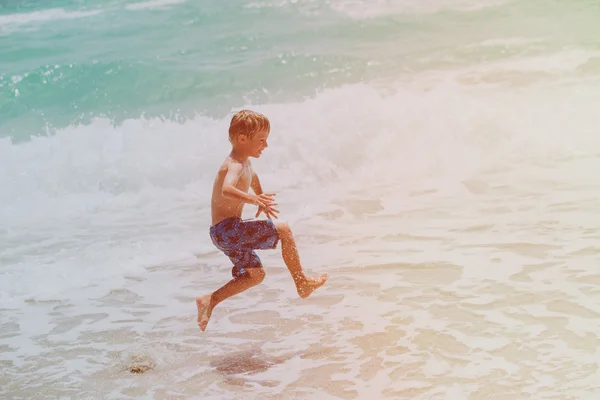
x: 237, y: 238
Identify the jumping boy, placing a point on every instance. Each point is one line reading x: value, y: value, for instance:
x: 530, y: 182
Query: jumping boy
x: 237, y: 238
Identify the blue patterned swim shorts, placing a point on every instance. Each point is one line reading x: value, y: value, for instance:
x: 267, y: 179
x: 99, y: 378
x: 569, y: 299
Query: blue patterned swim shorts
x: 239, y: 238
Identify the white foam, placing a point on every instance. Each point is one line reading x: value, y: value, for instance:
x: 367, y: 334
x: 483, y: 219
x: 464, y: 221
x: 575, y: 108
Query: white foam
x: 508, y: 42
x: 365, y: 9
x: 568, y: 60
x: 11, y: 21
x: 153, y: 4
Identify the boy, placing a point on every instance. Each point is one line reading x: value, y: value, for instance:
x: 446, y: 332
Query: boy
x: 237, y: 238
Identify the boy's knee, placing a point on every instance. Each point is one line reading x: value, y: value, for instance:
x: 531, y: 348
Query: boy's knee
x: 257, y: 275
x: 283, y: 228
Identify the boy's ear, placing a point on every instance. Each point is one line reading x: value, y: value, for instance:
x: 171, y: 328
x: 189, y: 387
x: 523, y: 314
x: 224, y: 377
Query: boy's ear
x: 242, y: 138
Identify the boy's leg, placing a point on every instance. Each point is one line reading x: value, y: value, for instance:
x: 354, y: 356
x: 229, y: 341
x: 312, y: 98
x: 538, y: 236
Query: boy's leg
x: 206, y: 304
x: 304, y: 285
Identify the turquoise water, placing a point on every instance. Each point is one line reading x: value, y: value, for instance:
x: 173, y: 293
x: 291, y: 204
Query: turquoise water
x: 438, y: 158
x: 69, y: 61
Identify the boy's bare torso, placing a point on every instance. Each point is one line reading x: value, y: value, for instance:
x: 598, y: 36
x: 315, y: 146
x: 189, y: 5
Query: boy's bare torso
x: 223, y: 207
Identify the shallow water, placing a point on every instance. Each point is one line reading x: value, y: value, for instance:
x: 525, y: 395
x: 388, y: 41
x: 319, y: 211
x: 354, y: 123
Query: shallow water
x: 470, y: 298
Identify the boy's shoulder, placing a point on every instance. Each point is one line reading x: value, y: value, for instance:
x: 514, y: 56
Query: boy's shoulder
x: 233, y: 164
x: 227, y: 161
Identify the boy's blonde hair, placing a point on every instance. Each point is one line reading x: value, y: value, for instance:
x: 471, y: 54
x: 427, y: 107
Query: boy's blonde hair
x: 248, y: 123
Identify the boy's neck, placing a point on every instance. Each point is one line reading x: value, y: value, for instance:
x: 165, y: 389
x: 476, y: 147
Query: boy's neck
x: 237, y: 155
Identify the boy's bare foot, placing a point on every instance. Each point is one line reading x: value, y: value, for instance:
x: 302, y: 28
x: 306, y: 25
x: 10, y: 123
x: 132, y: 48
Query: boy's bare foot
x: 310, y: 285
x: 204, y: 311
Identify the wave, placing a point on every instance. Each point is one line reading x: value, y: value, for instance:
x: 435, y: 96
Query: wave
x: 428, y: 122
x: 103, y: 200
x: 366, y: 9
x: 11, y: 21
x: 152, y: 4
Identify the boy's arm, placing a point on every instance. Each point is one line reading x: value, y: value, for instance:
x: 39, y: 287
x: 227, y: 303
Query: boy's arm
x: 255, y: 184
x: 257, y: 188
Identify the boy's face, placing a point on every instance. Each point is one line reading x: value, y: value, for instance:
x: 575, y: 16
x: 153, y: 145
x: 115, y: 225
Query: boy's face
x: 256, y: 145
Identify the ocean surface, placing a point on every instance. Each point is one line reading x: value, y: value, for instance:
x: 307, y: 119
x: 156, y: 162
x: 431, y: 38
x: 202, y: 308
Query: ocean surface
x: 439, y: 159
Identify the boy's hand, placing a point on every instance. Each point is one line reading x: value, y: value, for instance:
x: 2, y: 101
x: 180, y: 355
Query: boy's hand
x: 266, y: 204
